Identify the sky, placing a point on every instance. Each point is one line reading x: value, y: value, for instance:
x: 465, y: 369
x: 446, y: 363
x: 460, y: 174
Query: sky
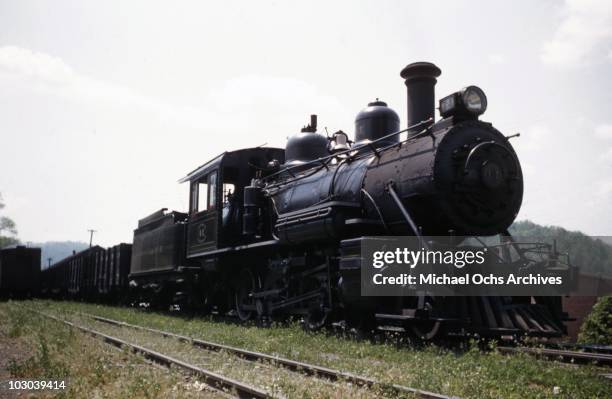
x: 105, y: 105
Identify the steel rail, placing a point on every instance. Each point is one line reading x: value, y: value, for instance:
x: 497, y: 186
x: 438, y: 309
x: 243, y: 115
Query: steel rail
x: 562, y: 355
x: 293, y: 365
x: 211, y: 378
x: 607, y: 349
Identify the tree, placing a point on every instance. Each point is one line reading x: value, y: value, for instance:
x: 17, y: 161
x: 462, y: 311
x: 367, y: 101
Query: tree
x: 8, y: 226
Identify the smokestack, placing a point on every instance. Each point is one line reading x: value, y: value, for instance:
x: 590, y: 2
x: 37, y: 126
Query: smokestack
x: 420, y: 81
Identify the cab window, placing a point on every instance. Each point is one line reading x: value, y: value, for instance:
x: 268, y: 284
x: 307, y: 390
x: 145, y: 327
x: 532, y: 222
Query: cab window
x: 212, y: 190
x: 204, y: 193
x: 202, y: 199
x: 228, y: 192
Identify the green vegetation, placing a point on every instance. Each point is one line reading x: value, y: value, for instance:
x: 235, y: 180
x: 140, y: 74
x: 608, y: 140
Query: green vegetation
x: 7, y: 226
x: 41, y: 348
x: 597, y: 328
x: 591, y: 255
x: 41, y: 364
x: 469, y: 374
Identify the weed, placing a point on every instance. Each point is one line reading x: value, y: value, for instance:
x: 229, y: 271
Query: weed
x: 41, y: 365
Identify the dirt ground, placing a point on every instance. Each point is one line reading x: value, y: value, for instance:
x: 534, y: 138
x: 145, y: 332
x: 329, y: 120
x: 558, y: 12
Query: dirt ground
x: 11, y: 349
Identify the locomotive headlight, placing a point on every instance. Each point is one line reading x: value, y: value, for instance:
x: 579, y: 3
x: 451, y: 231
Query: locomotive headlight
x: 470, y: 101
x: 474, y: 100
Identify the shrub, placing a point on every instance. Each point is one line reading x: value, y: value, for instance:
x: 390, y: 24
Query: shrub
x: 597, y: 328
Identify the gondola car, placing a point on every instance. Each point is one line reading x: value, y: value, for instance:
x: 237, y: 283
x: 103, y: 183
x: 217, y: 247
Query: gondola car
x: 19, y: 272
x: 94, y: 274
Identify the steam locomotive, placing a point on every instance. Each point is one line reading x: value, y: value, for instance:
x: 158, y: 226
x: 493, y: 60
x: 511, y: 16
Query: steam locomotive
x: 273, y: 232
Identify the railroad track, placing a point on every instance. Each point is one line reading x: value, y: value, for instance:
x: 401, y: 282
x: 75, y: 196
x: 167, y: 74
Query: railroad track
x: 605, y: 349
x: 214, y: 380
x: 567, y: 356
x: 223, y: 383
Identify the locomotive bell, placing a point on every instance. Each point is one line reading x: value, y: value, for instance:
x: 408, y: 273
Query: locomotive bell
x: 339, y: 142
x: 374, y: 122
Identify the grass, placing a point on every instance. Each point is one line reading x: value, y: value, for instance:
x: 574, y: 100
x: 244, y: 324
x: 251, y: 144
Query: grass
x: 469, y: 374
x: 90, y: 367
x: 277, y: 381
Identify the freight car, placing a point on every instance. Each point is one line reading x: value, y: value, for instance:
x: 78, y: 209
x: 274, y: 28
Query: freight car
x: 94, y: 274
x: 19, y: 272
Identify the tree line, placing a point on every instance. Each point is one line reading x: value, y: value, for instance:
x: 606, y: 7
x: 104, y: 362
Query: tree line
x: 589, y: 254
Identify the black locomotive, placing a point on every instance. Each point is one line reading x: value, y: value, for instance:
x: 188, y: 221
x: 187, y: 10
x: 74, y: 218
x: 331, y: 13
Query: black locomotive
x: 273, y: 232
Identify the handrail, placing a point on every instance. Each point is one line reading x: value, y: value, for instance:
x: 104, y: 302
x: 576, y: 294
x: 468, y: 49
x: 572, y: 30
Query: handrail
x: 327, y: 157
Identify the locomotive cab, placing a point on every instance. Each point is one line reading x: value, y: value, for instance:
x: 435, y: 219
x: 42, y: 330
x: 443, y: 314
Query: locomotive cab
x: 216, y: 198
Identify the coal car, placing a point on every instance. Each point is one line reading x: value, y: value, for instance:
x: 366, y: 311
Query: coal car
x: 94, y: 274
x: 19, y: 272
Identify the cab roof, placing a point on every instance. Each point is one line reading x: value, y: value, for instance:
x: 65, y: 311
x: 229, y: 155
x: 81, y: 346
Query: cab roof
x: 243, y: 155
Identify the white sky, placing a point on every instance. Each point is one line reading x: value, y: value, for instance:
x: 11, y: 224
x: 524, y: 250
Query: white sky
x: 104, y: 105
